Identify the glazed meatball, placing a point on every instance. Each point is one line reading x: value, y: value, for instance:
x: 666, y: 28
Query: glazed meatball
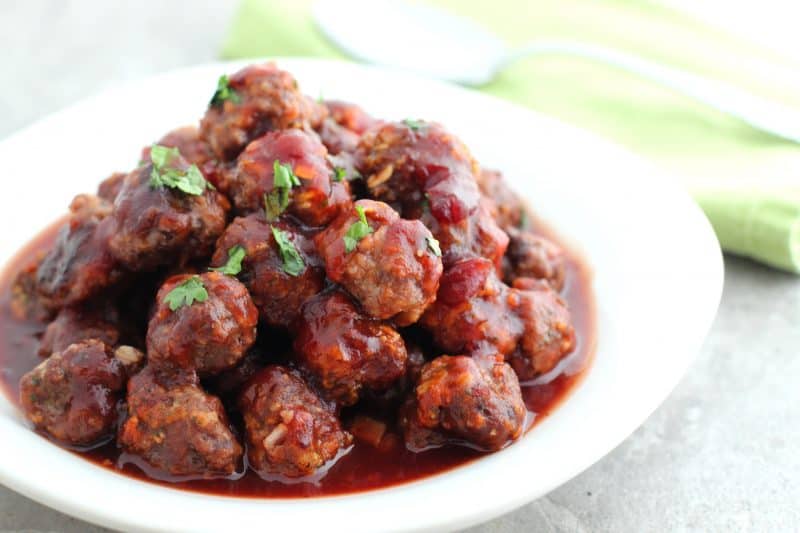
x: 25, y: 301
x: 532, y: 256
x: 176, y: 428
x: 278, y: 286
x: 74, y: 324
x: 228, y: 383
x: 336, y: 138
x: 313, y: 197
x: 290, y: 431
x: 80, y: 264
x: 548, y: 333
x: 109, y: 188
x: 266, y: 99
x: 345, y: 351
x: 208, y: 334
x: 161, y: 225
x: 473, y: 311
x: 72, y: 396
x: 473, y: 400
x: 429, y: 174
x: 393, y: 271
x: 506, y: 206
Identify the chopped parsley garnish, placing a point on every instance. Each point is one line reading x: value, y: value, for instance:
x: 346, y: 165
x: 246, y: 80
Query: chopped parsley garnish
x: 415, y: 125
x: 224, y: 92
x: 523, y: 218
x: 186, y: 293
x: 357, y: 231
x: 339, y: 173
x: 433, y: 244
x: 234, y: 264
x: 276, y: 201
x: 292, y: 262
x: 190, y: 180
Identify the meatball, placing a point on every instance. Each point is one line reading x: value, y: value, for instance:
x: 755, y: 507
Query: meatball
x: 205, y: 323
x: 507, y: 208
x: 548, y: 333
x: 109, y: 188
x: 532, y: 256
x: 80, y: 264
x: 477, y: 313
x: 430, y: 174
x: 176, y: 428
x: 393, y: 271
x: 468, y: 400
x: 278, y: 286
x: 74, y: 324
x: 337, y: 139
x: 290, y: 431
x: 264, y: 98
x: 345, y: 351
x: 25, y: 301
x: 312, y: 197
x: 72, y: 396
x: 228, y: 383
x: 160, y: 225
x: 473, y: 310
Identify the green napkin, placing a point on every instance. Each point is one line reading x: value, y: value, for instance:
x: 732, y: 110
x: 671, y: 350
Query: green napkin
x: 746, y: 181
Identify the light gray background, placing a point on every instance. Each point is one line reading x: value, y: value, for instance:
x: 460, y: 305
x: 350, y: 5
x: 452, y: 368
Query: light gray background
x: 721, y: 454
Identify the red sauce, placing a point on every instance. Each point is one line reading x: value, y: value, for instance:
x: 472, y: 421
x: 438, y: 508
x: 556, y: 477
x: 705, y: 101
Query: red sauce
x: 365, y: 467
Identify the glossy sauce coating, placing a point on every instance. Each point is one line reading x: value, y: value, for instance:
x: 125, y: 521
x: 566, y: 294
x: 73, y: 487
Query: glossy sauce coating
x: 365, y: 467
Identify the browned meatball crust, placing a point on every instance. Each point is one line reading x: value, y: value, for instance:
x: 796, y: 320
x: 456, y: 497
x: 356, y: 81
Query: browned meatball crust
x: 464, y: 400
x: 78, y: 323
x: 277, y: 291
x: 344, y: 350
x: 548, y: 332
x: 72, y: 396
x: 290, y: 431
x: 176, y: 428
x: 267, y: 99
x: 80, y: 264
x: 475, y: 312
x: 532, y: 256
x: 155, y: 226
x: 350, y: 116
x: 315, y: 198
x: 393, y: 271
x: 207, y: 336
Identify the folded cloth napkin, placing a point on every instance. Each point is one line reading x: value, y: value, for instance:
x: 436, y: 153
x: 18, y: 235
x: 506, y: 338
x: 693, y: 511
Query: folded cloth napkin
x: 746, y: 181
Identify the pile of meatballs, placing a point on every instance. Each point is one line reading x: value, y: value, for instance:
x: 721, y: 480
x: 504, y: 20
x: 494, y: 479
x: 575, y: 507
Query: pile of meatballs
x: 287, y: 280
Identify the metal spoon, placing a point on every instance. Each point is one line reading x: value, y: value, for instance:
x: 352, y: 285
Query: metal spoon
x: 438, y: 44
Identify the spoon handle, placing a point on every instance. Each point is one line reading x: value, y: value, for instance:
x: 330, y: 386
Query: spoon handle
x: 765, y: 115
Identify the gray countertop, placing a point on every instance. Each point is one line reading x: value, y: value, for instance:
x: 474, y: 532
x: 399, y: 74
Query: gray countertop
x: 721, y: 454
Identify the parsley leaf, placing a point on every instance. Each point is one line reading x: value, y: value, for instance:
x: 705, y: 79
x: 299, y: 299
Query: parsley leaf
x: 284, y: 178
x: 292, y: 262
x: 358, y: 230
x: 190, y: 181
x: 339, y: 173
x: 414, y: 125
x: 433, y: 244
x: 233, y: 266
x: 186, y: 293
x: 224, y: 92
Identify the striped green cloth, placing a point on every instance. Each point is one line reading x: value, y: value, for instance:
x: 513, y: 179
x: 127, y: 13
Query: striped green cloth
x: 746, y: 181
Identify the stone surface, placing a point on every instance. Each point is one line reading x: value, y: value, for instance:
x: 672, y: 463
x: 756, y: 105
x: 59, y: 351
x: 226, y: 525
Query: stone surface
x: 721, y: 454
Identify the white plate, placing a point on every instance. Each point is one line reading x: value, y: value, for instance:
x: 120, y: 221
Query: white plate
x: 658, y: 279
